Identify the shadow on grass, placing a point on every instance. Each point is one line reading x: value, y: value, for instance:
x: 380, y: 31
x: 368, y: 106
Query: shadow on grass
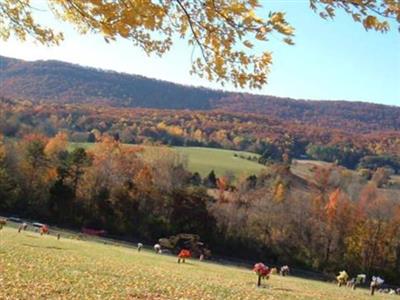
x: 283, y: 290
x: 186, y: 263
x: 262, y: 286
x: 31, y: 236
x: 47, y: 247
x: 253, y: 284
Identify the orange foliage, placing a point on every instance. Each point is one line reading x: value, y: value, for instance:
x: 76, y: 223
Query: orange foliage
x: 56, y: 144
x: 368, y: 194
x: 332, y: 205
x: 144, y: 178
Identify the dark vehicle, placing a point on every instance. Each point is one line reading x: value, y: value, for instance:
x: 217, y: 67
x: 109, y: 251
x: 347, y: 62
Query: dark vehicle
x: 190, y: 242
x: 14, y: 219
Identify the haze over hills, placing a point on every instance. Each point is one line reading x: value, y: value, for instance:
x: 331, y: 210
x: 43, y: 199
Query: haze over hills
x: 54, y: 81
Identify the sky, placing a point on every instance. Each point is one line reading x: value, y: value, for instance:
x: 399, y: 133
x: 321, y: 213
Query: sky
x: 331, y: 60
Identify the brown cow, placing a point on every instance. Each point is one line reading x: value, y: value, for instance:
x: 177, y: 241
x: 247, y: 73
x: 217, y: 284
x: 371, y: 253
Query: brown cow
x: 44, y: 230
x: 2, y: 223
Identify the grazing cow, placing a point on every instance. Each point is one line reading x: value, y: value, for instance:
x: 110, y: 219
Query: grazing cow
x: 23, y: 227
x: 157, y: 248
x: 183, y: 254
x: 354, y: 282
x: 376, y: 283
x: 2, y: 223
x: 139, y: 247
x: 342, y: 278
x: 44, y: 230
x: 284, y: 270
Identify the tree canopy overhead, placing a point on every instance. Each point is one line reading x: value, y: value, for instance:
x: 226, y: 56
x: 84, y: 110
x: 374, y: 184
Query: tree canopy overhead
x: 224, y: 32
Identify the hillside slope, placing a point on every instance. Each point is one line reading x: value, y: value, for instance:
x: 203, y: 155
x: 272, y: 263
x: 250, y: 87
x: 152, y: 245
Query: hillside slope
x: 90, y: 270
x: 63, y: 82
x: 56, y: 81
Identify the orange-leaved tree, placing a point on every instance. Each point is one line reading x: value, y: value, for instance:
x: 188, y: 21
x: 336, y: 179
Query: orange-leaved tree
x: 224, y: 31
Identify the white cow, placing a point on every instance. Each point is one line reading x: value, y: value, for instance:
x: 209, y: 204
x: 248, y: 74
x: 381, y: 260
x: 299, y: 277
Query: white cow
x: 157, y: 248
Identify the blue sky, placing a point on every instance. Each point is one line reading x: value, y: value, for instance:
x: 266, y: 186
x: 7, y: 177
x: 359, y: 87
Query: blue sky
x: 332, y: 60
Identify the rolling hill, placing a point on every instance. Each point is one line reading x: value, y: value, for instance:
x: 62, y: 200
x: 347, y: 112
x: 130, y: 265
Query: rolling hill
x: 54, y: 81
x: 63, y: 82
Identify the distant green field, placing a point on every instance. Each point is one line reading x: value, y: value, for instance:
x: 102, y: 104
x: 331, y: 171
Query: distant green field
x: 42, y: 267
x: 203, y: 160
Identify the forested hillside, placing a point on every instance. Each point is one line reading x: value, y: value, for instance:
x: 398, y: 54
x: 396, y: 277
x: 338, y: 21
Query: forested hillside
x: 354, y: 116
x: 56, y: 81
x: 59, y: 82
x: 275, y: 140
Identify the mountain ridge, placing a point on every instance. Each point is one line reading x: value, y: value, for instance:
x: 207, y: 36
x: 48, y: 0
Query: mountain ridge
x: 55, y: 81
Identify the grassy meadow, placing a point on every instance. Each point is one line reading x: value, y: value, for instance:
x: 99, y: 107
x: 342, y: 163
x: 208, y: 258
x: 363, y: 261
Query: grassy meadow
x: 42, y: 267
x: 203, y: 160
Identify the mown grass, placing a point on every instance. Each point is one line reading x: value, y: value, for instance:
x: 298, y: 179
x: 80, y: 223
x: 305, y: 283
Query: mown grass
x: 203, y: 160
x: 42, y: 267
